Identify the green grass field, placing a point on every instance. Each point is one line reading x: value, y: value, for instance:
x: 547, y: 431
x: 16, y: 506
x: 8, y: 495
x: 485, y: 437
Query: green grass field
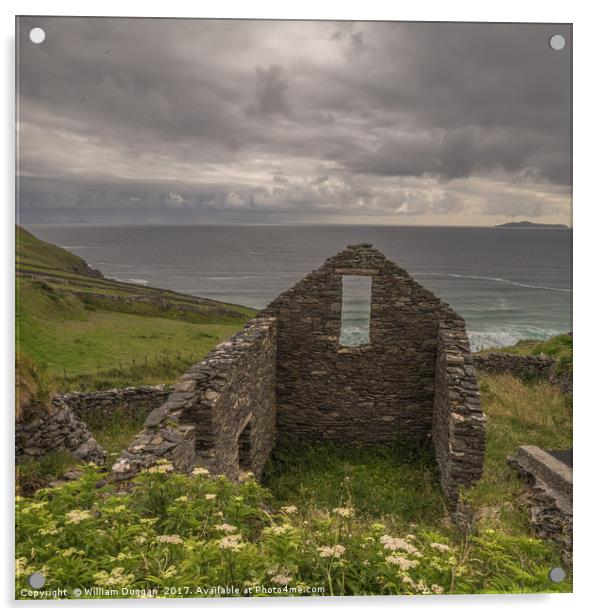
x: 89, y: 332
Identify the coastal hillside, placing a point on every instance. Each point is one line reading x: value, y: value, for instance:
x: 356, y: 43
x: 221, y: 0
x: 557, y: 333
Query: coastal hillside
x: 91, y: 332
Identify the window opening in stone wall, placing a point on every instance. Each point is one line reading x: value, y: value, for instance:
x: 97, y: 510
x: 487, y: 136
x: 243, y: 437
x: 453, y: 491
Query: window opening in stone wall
x: 356, y: 310
x: 245, y: 460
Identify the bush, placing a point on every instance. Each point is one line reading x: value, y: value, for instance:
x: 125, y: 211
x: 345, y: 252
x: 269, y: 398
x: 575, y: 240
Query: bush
x: 199, y: 535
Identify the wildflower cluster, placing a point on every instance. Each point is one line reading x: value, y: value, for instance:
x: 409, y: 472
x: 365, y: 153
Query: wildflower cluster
x: 170, y: 530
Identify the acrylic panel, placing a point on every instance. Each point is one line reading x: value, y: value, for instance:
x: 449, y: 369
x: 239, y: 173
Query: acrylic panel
x: 293, y: 308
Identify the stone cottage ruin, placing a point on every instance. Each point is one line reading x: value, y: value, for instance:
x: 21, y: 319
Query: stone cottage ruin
x: 288, y: 375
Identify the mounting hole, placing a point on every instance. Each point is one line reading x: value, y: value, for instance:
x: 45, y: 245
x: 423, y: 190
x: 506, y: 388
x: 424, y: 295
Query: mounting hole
x: 557, y: 42
x: 37, y: 580
x: 37, y: 35
x: 557, y: 575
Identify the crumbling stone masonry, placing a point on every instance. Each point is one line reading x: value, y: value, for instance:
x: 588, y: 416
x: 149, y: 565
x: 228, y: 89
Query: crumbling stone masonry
x: 548, y: 493
x: 287, y: 377
x: 221, y: 414
x: 99, y: 405
x: 57, y: 428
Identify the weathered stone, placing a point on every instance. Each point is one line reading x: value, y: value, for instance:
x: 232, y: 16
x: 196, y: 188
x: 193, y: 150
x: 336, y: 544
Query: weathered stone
x: 59, y: 428
x: 286, y: 376
x: 156, y: 416
x: 524, y: 367
x: 549, y: 495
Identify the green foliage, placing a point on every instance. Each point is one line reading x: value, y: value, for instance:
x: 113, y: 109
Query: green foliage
x: 364, y: 520
x: 33, y: 473
x: 34, y: 386
x: 116, y: 434
x: 196, y: 533
x: 397, y: 479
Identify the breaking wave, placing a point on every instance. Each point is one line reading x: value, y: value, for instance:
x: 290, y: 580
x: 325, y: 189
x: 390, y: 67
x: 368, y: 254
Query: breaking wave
x: 493, y: 279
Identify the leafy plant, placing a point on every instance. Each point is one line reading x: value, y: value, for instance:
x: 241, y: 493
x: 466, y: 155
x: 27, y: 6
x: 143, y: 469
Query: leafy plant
x: 203, y: 535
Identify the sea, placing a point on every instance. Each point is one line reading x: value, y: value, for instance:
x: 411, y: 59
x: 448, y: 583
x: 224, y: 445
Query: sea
x: 508, y: 283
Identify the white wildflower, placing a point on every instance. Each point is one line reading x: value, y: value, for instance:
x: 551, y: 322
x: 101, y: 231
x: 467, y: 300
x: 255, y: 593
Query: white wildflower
x: 328, y: 551
x: 168, y: 539
x: 160, y: 468
x: 396, y: 543
x: 50, y: 529
x: 442, y: 547
x: 210, y: 496
x: 77, y: 515
x: 199, y: 470
x: 344, y: 512
x: 116, y: 578
x: 280, y: 530
x: 21, y: 565
x: 404, y: 563
x: 289, y: 509
x: 231, y: 542
x: 71, y: 552
x: 227, y: 528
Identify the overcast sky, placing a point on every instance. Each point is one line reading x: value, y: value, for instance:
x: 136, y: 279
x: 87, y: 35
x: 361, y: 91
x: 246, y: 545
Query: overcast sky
x: 133, y: 120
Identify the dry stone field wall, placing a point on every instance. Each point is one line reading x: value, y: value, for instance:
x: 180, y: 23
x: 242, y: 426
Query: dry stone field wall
x: 525, y: 367
x: 522, y: 366
x: 98, y: 405
x: 57, y: 428
x: 221, y: 414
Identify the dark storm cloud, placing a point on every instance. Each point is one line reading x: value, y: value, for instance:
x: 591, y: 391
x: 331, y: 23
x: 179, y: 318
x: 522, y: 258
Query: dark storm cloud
x: 270, y: 92
x: 200, y: 116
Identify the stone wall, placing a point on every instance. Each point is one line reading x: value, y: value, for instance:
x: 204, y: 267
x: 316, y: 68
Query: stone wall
x: 548, y: 494
x: 98, y: 405
x: 522, y: 366
x: 458, y: 418
x: 54, y: 429
x: 287, y: 377
x: 525, y: 367
x: 368, y: 394
x: 221, y: 414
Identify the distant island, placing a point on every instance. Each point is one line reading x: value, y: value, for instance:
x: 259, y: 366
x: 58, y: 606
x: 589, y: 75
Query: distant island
x: 526, y: 224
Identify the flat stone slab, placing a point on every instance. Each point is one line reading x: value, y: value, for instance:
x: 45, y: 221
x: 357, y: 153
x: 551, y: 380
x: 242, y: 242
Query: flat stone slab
x: 545, y: 467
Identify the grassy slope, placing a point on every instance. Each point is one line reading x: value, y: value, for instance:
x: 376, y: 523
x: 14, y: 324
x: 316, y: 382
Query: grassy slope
x: 31, y: 251
x: 79, y: 326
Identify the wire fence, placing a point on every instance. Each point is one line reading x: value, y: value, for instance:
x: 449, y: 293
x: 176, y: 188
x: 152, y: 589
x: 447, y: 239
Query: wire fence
x: 147, y: 363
